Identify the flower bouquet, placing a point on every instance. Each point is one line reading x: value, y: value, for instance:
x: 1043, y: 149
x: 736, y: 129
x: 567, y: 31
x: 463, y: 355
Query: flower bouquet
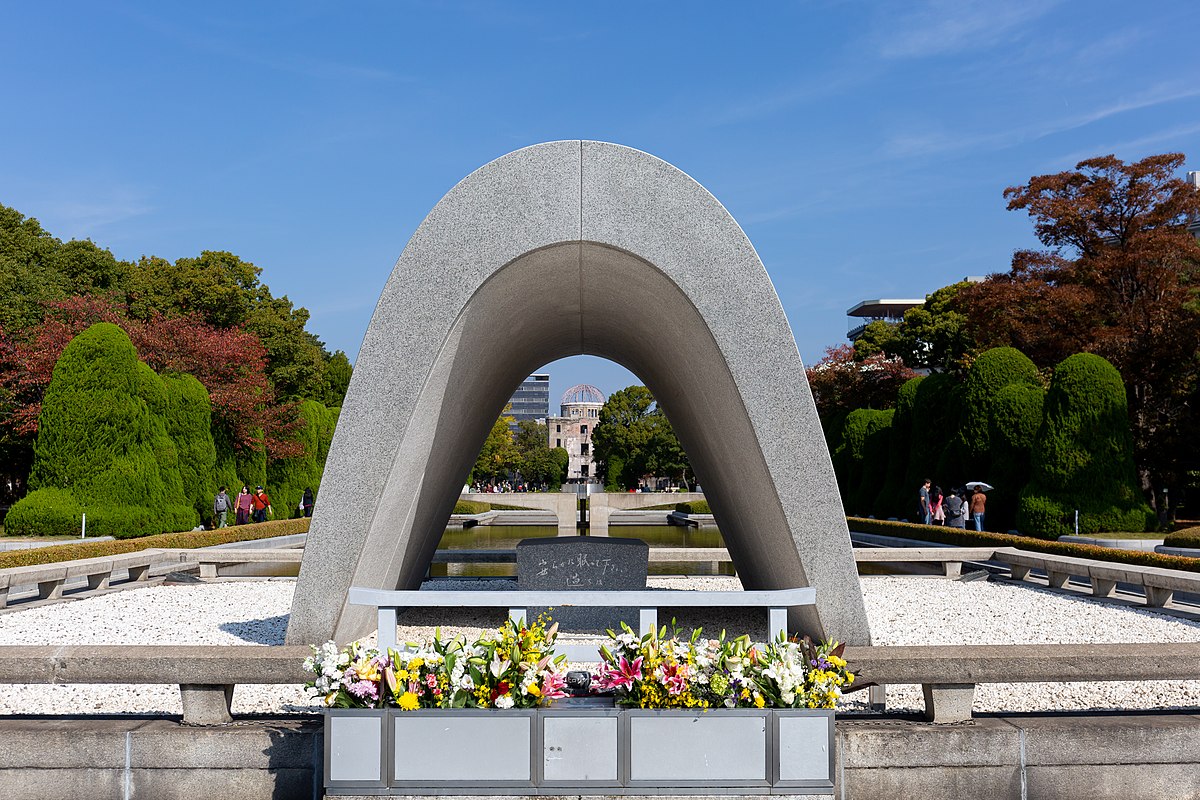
x: 654, y: 671
x: 515, y: 668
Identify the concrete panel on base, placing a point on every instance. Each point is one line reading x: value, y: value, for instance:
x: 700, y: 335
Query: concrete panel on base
x: 577, y: 248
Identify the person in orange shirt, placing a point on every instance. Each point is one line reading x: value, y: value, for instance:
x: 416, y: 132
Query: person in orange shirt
x: 978, y: 504
x: 261, y: 504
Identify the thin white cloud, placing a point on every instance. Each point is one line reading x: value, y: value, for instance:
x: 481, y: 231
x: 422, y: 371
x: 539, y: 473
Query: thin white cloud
x: 1132, y: 148
x: 941, y: 143
x: 941, y: 27
x: 82, y: 214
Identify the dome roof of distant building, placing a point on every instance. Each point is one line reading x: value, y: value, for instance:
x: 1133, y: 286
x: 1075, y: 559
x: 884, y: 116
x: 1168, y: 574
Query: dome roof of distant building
x: 582, y: 393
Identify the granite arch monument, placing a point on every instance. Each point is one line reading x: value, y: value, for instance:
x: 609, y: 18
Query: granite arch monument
x: 559, y: 249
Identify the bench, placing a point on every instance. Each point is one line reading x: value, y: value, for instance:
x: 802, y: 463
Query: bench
x: 206, y: 674
x: 1158, y: 584
x: 948, y: 674
x: 50, y: 578
x: 211, y: 561
x: 776, y: 602
x: 951, y: 558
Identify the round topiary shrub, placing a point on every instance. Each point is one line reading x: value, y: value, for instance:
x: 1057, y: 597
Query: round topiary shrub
x: 991, y: 372
x: 45, y: 512
x: 1016, y: 416
x: 102, y: 435
x: 1083, y: 456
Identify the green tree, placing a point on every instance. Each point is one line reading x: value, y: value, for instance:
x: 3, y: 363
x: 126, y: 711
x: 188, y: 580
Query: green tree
x: 218, y: 285
x: 29, y: 274
x: 1016, y: 416
x: 1083, y: 456
x: 934, y: 335
x: 338, y: 372
x: 534, y: 458
x: 861, y: 459
x: 295, y: 358
x: 102, y: 439
x: 634, y: 438
x: 498, y: 456
x: 933, y: 453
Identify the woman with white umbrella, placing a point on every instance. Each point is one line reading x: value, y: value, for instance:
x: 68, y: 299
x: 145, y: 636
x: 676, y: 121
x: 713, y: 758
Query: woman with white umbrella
x: 978, y: 501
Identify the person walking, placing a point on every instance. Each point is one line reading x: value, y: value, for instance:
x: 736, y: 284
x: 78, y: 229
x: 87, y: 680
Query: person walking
x: 306, y: 502
x: 923, y: 496
x: 221, y: 506
x: 261, y: 503
x: 978, y: 506
x: 956, y: 510
x: 937, y: 514
x: 243, y: 506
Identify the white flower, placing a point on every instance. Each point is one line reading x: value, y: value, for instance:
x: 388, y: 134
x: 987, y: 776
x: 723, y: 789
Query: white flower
x: 788, y: 697
x: 504, y: 701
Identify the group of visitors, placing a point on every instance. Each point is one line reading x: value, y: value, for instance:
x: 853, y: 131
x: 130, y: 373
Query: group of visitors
x: 252, y: 506
x: 952, y: 509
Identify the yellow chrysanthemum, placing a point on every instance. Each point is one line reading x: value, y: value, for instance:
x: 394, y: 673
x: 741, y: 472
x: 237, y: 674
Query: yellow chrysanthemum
x: 409, y: 701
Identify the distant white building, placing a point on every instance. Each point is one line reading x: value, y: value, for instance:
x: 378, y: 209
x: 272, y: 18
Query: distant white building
x: 865, y: 312
x: 572, y: 430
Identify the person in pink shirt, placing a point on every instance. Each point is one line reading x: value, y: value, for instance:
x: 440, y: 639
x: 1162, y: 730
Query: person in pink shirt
x: 243, y: 506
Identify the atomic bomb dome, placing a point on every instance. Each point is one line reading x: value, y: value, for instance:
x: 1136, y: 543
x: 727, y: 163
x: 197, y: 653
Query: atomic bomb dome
x: 582, y: 394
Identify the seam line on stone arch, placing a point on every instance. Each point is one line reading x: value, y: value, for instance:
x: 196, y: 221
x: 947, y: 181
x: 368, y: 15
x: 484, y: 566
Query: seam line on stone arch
x: 579, y: 261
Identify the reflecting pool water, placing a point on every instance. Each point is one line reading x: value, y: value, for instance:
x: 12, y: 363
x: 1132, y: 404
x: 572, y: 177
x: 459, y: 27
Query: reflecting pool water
x: 505, y: 537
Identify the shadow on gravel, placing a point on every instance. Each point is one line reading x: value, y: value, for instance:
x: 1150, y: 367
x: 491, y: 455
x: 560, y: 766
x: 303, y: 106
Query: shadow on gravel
x: 270, y: 630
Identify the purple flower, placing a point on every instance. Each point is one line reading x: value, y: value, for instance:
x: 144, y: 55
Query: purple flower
x: 364, y: 690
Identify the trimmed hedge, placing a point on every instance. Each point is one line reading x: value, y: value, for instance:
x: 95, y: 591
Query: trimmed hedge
x: 190, y: 539
x: 966, y: 538
x: 1188, y: 537
x: 102, y: 437
x: 937, y: 407
x: 1083, y: 456
x: 1016, y: 417
x: 189, y: 424
x: 896, y: 498
x: 693, y: 507
x: 860, y: 457
x: 44, y: 511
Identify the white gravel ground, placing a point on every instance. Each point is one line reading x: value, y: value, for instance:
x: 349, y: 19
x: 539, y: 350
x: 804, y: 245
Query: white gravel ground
x: 901, y: 611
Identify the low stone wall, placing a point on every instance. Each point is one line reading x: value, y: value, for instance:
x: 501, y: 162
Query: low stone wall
x: 136, y: 757
x: 1048, y: 756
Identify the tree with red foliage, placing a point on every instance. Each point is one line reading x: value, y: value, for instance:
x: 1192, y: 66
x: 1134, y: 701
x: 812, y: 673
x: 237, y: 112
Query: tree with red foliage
x: 840, y: 382
x: 1118, y: 278
x: 229, y: 362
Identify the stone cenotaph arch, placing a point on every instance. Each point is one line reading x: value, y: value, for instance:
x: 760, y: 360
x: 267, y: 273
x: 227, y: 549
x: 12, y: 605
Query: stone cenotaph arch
x: 555, y: 250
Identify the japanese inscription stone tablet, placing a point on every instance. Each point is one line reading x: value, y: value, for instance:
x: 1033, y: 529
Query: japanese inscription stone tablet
x: 584, y: 563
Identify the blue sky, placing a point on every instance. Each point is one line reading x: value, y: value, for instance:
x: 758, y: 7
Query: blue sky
x: 864, y: 147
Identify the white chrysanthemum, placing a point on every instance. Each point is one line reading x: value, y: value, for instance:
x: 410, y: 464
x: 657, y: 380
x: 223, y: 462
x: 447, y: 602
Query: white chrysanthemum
x: 504, y: 701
